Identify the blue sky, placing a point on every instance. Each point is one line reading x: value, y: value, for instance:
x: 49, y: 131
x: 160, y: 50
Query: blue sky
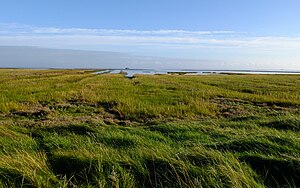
x: 260, y: 32
x: 276, y: 17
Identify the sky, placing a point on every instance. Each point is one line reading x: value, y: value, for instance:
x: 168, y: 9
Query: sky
x: 262, y: 33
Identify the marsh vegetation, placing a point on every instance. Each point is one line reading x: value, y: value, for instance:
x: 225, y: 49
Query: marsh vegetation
x: 71, y: 128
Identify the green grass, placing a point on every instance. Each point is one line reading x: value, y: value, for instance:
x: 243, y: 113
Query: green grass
x: 71, y: 128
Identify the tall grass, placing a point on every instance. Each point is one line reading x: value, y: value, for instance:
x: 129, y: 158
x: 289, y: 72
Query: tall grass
x: 70, y: 128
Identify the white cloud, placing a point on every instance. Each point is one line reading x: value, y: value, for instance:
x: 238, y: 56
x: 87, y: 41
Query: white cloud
x: 16, y: 34
x: 26, y: 29
x: 230, y: 46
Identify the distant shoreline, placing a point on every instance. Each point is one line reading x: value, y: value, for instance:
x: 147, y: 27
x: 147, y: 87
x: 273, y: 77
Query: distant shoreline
x: 167, y: 70
x: 130, y: 73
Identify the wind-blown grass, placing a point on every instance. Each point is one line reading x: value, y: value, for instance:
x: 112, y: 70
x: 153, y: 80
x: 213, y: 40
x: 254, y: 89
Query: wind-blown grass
x: 71, y: 128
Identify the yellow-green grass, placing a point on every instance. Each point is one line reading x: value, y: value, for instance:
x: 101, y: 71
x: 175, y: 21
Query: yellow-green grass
x: 71, y: 128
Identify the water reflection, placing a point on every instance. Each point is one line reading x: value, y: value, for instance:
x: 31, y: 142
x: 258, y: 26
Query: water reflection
x: 130, y: 73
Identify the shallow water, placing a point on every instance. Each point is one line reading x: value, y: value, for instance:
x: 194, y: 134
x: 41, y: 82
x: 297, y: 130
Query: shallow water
x: 131, y: 72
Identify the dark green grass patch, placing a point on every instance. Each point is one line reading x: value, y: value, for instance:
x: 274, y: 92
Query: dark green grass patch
x: 277, y: 172
x: 292, y: 123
